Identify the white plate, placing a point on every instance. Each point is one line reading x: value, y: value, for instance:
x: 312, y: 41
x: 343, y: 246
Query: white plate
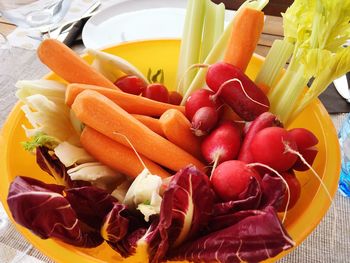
x: 136, y: 20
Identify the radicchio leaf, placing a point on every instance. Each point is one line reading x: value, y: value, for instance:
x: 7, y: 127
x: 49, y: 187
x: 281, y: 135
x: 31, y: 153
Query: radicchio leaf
x: 224, y: 221
x: 185, y: 210
x: 91, y: 204
x: 248, y: 199
x: 48, y: 162
x: 127, y: 246
x: 43, y: 209
x: 252, y: 239
x: 147, y: 236
x: 273, y: 191
x: 119, y: 222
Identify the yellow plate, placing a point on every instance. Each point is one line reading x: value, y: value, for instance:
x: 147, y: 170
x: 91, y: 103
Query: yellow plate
x: 163, y: 54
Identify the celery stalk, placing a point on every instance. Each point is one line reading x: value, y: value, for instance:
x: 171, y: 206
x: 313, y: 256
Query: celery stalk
x: 213, y: 26
x: 191, y: 41
x: 279, y: 53
x: 185, y: 37
x: 215, y: 54
x: 318, y: 28
x: 339, y: 66
x: 287, y: 93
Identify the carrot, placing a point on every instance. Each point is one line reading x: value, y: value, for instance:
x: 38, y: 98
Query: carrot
x: 102, y: 114
x: 69, y: 66
x: 131, y: 103
x: 116, y: 155
x: 150, y: 122
x: 228, y: 114
x: 177, y: 129
x: 246, y: 30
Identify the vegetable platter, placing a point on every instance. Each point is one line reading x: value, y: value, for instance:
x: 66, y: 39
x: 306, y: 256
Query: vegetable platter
x: 179, y: 150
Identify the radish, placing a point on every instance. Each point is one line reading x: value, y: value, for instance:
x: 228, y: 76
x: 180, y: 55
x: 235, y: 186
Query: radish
x: 306, y: 142
x: 222, y: 144
x: 237, y: 90
x: 201, y: 98
x: 175, y: 98
x: 294, y: 188
x: 231, y: 178
x: 204, y: 120
x: 263, y: 121
x: 269, y: 147
x: 156, y: 91
x: 131, y: 84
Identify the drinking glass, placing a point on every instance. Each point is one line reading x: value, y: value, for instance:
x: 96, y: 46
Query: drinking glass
x: 34, y: 13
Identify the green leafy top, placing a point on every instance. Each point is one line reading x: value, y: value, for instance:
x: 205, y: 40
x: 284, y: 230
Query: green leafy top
x: 40, y: 139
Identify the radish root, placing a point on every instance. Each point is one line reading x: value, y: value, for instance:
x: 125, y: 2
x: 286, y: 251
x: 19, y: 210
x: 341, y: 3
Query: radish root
x: 283, y: 180
x: 193, y: 66
x: 133, y: 148
x: 243, y: 89
x: 216, y: 161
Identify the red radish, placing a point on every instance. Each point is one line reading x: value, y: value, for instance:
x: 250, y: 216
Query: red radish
x: 269, y: 147
x: 239, y: 91
x: 294, y: 188
x: 131, y: 84
x: 175, y: 98
x: 306, y: 142
x: 201, y: 98
x: 204, y: 120
x: 222, y: 144
x: 263, y: 121
x: 309, y: 156
x: 156, y: 91
x: 231, y: 178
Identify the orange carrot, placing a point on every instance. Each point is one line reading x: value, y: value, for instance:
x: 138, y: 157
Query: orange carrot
x: 177, y: 129
x: 69, y: 66
x: 228, y: 114
x: 116, y: 155
x: 102, y: 114
x: 150, y: 122
x: 246, y: 30
x: 131, y: 103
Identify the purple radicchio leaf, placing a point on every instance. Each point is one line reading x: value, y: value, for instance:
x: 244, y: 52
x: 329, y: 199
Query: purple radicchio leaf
x: 249, y: 199
x: 43, y: 209
x: 91, y: 204
x: 142, y: 235
x: 252, y: 239
x: 186, y: 208
x: 273, y: 191
x: 115, y: 224
x: 223, y: 221
x: 49, y: 163
x: 127, y: 246
x: 119, y: 222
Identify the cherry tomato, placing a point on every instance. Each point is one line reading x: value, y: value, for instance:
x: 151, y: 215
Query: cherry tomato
x: 175, y: 98
x: 131, y: 84
x: 294, y: 188
x: 156, y: 91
